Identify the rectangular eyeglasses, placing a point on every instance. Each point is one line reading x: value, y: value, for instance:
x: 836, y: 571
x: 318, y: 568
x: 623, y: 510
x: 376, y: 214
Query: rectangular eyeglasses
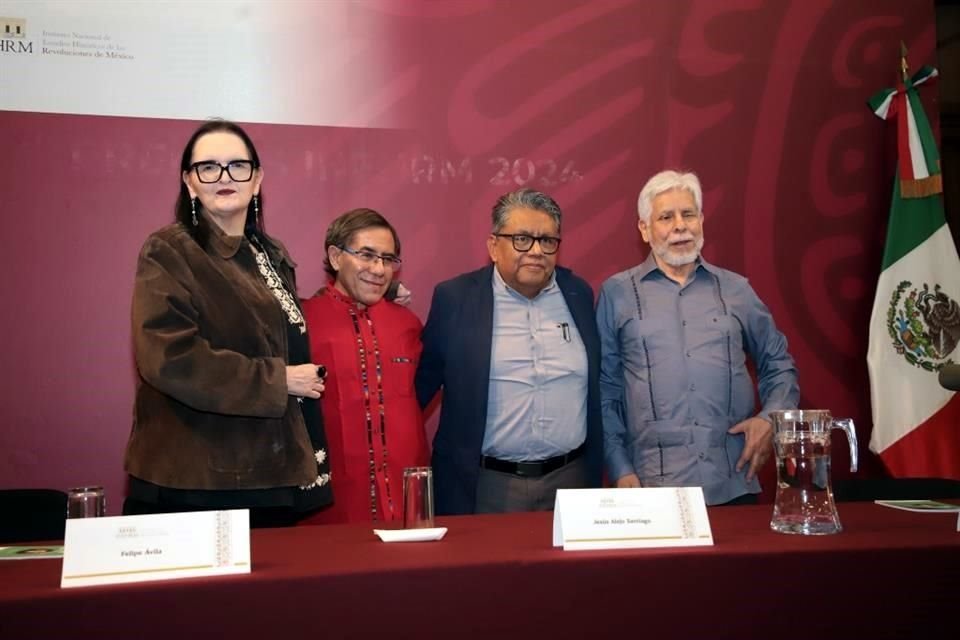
x: 209, y: 171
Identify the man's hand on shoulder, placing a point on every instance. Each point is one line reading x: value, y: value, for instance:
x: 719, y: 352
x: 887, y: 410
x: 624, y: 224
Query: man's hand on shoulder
x: 759, y: 443
x: 404, y: 295
x: 399, y: 294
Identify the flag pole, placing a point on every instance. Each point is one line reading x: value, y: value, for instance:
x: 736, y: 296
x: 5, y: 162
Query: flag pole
x: 904, y: 68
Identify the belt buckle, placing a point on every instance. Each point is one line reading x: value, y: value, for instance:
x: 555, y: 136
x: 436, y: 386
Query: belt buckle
x: 529, y: 469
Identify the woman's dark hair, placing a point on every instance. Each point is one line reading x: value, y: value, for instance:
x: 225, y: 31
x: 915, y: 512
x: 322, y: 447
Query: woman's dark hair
x: 342, y: 230
x: 183, y: 210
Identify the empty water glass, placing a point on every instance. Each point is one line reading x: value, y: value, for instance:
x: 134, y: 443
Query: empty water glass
x: 417, y: 497
x: 86, y: 502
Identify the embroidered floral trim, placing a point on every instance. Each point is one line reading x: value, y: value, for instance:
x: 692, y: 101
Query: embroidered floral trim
x: 275, y: 284
x: 321, y: 480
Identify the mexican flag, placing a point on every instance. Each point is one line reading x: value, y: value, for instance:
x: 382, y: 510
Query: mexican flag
x: 915, y: 324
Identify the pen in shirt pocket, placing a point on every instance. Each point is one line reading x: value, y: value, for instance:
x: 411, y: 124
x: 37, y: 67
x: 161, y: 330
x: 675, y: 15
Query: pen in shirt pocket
x: 565, y: 328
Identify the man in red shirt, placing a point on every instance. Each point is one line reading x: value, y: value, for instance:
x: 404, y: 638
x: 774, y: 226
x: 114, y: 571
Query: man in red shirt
x: 370, y: 348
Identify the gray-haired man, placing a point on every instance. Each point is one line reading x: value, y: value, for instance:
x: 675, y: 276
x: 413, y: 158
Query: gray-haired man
x: 678, y: 400
x: 514, y: 347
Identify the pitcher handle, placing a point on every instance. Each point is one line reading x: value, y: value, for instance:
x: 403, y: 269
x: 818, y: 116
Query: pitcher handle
x: 847, y: 425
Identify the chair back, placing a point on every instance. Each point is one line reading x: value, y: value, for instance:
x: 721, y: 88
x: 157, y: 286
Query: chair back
x: 29, y: 515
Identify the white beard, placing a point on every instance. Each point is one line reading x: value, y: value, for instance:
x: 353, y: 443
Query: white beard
x: 675, y: 259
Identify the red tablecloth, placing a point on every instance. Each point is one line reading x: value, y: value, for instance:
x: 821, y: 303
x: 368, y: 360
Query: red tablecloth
x: 889, y: 574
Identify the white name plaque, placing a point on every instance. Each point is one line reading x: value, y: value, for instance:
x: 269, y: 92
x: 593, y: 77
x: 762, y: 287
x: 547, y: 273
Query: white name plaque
x: 155, y: 547
x: 630, y: 518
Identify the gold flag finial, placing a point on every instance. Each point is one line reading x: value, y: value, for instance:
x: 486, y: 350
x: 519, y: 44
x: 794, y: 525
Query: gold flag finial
x: 904, y: 69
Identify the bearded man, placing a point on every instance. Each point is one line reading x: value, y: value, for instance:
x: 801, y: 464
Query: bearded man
x: 675, y: 331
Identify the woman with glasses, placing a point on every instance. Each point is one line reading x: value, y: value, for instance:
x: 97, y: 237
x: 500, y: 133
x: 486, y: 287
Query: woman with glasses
x: 226, y: 411
x: 372, y: 347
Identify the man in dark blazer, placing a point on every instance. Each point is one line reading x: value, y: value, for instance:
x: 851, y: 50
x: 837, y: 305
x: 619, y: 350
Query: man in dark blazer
x: 515, y: 348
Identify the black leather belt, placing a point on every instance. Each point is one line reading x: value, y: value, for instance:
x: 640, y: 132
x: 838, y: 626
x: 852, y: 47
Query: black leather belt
x: 533, y: 469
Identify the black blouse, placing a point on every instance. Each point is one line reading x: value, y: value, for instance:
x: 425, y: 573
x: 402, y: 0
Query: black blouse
x: 301, y: 499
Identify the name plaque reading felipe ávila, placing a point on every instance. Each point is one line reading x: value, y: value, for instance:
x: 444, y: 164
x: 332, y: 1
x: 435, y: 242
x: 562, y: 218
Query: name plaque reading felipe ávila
x: 155, y: 547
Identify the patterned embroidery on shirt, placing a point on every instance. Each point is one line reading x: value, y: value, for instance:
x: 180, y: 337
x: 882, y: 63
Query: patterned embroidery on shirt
x: 723, y: 305
x: 275, y: 284
x: 368, y: 403
x: 646, y: 356
x: 636, y: 294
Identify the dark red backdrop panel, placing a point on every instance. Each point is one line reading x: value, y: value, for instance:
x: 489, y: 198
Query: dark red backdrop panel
x: 585, y: 100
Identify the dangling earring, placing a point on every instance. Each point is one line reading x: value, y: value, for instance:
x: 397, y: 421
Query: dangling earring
x: 256, y: 210
x: 193, y: 210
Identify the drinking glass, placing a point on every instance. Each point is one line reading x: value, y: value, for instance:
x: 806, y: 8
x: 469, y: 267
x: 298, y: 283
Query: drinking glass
x: 417, y: 497
x: 86, y: 502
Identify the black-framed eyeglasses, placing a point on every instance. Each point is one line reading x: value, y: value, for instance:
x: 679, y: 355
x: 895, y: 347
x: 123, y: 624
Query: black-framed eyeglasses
x: 523, y: 242
x: 209, y: 171
x: 370, y: 258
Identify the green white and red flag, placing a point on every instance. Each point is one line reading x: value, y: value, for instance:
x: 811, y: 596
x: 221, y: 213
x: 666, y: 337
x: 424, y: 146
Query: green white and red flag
x: 915, y: 324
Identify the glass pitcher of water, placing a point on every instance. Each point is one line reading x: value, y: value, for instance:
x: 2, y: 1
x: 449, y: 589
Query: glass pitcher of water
x: 801, y: 441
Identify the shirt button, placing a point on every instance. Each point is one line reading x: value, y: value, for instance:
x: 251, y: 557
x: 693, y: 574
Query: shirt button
x: 681, y: 293
x: 683, y: 323
x: 702, y: 455
x: 688, y: 354
x: 696, y: 423
x: 693, y: 387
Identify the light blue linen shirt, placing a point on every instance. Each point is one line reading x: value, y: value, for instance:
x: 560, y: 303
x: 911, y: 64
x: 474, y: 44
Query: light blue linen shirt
x: 674, y: 377
x: 537, y: 398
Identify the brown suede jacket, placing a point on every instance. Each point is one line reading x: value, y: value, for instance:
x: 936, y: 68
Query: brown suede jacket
x: 210, y: 341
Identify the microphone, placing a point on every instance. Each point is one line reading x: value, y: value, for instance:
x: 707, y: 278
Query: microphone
x: 950, y: 377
